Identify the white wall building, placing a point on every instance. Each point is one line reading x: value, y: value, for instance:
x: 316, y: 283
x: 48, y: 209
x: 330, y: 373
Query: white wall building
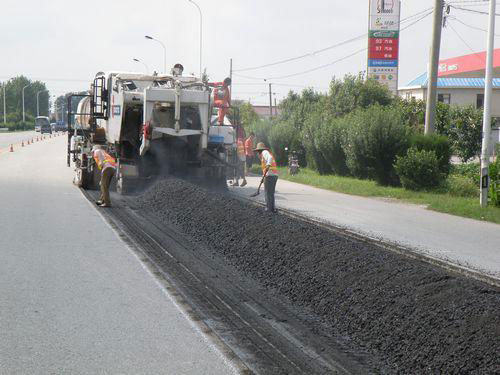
x: 458, y: 91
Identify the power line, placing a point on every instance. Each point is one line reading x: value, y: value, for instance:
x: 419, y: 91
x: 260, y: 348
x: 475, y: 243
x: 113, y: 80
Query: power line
x: 472, y: 10
x: 317, y: 52
x: 329, y: 64
x: 470, y: 26
x: 467, y: 44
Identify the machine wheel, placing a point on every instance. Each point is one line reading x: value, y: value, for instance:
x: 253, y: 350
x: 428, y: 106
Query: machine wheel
x: 83, y: 179
x: 87, y: 179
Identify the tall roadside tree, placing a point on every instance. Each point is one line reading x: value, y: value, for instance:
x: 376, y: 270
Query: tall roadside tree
x: 14, y: 103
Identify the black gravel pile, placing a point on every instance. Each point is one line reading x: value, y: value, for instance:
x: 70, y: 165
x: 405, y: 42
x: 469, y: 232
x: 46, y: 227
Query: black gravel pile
x: 416, y: 317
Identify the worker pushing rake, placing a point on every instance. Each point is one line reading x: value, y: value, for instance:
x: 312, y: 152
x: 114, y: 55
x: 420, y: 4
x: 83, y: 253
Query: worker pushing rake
x: 269, y: 176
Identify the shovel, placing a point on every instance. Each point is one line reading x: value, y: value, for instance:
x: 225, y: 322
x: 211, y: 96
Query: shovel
x: 258, y: 189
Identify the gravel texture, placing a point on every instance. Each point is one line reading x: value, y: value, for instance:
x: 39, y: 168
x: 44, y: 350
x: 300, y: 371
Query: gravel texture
x: 415, y: 317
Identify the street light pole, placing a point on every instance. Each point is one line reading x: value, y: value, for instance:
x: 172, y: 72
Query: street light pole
x: 143, y: 63
x: 4, y: 106
x: 485, y: 156
x: 24, y: 117
x: 201, y: 33
x: 164, y: 52
x: 38, y: 102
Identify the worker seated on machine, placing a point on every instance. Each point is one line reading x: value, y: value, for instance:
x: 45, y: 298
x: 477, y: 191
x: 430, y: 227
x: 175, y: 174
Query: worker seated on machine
x: 177, y: 70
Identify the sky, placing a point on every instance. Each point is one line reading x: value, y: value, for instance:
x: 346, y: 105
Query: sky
x: 66, y: 42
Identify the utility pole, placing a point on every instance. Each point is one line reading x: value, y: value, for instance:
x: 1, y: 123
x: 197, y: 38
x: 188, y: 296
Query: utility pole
x: 270, y: 101
x: 485, y: 156
x: 430, y: 113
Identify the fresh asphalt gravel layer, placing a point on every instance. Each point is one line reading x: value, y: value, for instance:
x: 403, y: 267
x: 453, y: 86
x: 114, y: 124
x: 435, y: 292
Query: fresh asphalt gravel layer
x: 415, y: 317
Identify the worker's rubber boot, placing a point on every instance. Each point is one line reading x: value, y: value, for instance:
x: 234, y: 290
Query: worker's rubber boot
x: 243, y: 183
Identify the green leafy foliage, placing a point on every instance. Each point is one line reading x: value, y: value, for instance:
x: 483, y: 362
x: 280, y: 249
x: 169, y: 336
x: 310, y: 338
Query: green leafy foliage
x: 354, y: 92
x: 283, y: 135
x: 310, y: 138
x: 374, y: 138
x: 471, y: 171
x: 461, y: 186
x: 465, y: 131
x: 14, y: 102
x: 437, y: 143
x: 262, y: 129
x: 494, y: 190
x: 332, y: 136
x: 418, y: 169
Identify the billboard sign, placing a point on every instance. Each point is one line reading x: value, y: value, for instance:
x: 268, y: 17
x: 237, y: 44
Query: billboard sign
x: 383, y: 41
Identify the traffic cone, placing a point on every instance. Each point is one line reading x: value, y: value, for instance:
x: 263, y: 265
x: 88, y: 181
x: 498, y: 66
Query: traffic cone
x: 11, y: 148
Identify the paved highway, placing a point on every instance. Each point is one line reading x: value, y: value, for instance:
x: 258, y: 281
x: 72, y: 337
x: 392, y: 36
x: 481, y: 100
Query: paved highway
x: 466, y: 242
x: 74, y: 298
x: 6, y: 139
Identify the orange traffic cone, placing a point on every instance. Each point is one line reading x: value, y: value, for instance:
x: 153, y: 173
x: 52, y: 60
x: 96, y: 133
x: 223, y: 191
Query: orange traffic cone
x: 11, y: 148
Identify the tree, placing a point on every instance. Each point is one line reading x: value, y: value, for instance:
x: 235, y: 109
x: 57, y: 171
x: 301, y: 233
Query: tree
x: 354, y: 92
x: 13, y: 98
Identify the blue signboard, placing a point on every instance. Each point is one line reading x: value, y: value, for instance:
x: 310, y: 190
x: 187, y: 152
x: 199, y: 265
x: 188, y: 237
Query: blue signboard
x: 382, y: 63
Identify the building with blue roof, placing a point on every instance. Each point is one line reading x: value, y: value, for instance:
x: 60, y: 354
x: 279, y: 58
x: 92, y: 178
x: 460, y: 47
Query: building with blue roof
x: 462, y: 91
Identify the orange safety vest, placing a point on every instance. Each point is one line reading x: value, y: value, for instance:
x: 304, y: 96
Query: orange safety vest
x: 273, y: 169
x: 240, y: 148
x: 249, y: 146
x: 104, y: 160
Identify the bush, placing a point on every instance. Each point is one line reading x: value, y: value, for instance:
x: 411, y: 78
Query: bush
x: 262, y: 130
x: 471, y: 171
x: 331, y: 137
x: 437, y: 143
x: 283, y: 135
x: 494, y: 192
x: 374, y: 138
x: 310, y: 136
x: 418, y: 169
x: 461, y: 186
x: 354, y: 92
x: 466, y: 131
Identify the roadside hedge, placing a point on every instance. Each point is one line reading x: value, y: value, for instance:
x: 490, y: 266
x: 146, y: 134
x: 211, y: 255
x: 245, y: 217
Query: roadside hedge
x: 437, y: 143
x: 375, y: 137
x: 418, y: 169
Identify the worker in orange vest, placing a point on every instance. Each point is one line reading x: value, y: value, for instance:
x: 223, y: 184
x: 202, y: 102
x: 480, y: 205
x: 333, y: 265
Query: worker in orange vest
x: 107, y: 165
x: 249, y: 151
x: 222, y: 98
x: 269, y: 173
x: 241, y: 160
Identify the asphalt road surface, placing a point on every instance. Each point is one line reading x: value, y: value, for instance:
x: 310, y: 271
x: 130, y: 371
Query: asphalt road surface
x: 466, y: 242
x: 6, y: 139
x: 74, y: 298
